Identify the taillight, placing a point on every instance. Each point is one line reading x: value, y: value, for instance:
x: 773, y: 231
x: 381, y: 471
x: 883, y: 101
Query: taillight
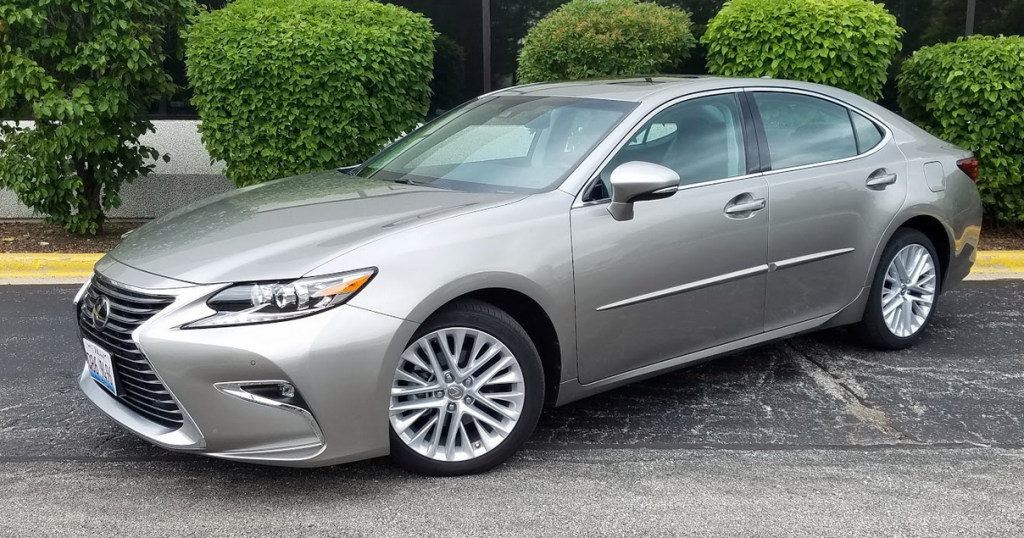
x: 970, y: 167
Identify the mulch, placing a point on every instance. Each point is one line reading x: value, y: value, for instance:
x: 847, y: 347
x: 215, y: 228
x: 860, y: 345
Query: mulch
x: 20, y: 236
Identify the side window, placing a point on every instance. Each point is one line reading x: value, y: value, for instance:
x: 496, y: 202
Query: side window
x: 653, y: 132
x: 868, y: 133
x: 804, y: 130
x: 701, y: 139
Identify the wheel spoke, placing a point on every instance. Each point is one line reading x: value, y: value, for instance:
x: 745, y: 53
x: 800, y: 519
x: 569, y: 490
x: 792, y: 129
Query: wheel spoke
x: 435, y: 440
x: 411, y: 357
x: 406, y: 376
x: 403, y: 424
x: 435, y: 366
x: 892, y: 306
x: 497, y: 408
x: 924, y: 300
x: 454, y: 431
x: 420, y: 403
x: 424, y: 430
x: 484, y: 377
x: 479, y: 362
x: 508, y: 396
x: 901, y: 267
x: 412, y: 391
x: 908, y: 316
x: 487, y: 419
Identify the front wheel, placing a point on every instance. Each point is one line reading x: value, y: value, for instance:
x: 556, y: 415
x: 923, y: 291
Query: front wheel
x: 904, y: 292
x: 467, y: 392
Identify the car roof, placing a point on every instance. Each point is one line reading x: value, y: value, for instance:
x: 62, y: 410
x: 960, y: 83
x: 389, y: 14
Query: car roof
x: 655, y: 87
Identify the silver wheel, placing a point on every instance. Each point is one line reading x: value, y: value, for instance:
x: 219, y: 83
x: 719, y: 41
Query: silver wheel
x: 457, y: 394
x: 909, y: 290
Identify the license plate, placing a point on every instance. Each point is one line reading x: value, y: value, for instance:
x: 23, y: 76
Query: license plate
x: 101, y: 367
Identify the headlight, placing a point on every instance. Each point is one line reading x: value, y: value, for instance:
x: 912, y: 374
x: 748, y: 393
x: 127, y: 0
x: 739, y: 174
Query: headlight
x: 265, y: 302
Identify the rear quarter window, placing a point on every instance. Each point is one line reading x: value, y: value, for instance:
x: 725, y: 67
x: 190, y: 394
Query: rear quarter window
x: 868, y: 133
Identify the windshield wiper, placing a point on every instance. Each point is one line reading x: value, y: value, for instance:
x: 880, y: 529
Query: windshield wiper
x: 406, y: 181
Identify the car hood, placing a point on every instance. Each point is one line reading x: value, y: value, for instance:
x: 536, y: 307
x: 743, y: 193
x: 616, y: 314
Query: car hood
x: 286, y: 228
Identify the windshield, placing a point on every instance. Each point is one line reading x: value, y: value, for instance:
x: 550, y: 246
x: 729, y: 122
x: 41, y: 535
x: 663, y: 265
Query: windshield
x: 517, y: 144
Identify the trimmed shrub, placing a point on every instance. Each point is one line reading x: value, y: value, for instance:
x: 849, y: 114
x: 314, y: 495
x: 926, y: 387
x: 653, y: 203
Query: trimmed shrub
x: 286, y: 87
x: 587, y: 39
x: 848, y: 44
x: 971, y: 93
x: 85, y: 72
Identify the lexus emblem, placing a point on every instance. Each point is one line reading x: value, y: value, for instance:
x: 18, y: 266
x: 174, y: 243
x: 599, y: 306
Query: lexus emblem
x: 100, y: 313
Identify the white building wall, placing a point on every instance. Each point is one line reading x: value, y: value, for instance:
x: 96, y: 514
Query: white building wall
x: 188, y: 177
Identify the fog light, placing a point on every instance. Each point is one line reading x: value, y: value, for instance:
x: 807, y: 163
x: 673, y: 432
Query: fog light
x: 287, y: 390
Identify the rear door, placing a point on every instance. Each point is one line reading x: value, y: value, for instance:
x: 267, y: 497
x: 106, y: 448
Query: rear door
x: 836, y: 180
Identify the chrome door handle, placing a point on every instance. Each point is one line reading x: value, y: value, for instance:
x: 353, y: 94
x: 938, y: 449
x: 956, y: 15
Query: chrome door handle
x: 745, y: 207
x: 881, y: 181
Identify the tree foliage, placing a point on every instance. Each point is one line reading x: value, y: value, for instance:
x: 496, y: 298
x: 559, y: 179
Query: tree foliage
x: 286, y: 87
x: 588, y: 39
x: 83, y: 72
x: 844, y: 43
x: 971, y: 93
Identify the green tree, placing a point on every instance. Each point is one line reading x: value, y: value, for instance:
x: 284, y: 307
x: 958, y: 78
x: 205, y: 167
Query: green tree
x: 588, y: 39
x: 83, y: 72
x: 287, y: 87
x: 971, y: 93
x: 844, y: 43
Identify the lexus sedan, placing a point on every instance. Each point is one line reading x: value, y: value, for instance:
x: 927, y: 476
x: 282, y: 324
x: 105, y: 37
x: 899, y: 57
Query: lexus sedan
x: 532, y: 247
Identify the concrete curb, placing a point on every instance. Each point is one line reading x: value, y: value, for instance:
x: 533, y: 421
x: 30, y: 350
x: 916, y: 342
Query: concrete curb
x: 15, y: 268
x: 35, y: 266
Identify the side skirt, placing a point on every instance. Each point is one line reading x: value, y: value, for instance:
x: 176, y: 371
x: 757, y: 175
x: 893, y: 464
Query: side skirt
x: 572, y: 390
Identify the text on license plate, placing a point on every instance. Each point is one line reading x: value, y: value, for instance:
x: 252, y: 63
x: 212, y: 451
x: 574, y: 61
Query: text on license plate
x: 101, y: 367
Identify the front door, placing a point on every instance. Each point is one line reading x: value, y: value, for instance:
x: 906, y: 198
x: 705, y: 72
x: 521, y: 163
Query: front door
x: 687, y: 272
x: 837, y: 180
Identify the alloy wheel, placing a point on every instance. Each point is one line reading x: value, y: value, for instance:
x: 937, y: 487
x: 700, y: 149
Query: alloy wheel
x: 909, y: 290
x: 456, y: 395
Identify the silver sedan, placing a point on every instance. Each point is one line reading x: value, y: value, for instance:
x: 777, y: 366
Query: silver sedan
x: 535, y: 246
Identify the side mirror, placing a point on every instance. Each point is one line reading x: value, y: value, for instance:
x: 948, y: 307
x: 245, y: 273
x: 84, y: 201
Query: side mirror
x: 638, y: 180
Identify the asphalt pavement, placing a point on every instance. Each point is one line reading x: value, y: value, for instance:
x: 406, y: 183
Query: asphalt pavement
x: 813, y: 436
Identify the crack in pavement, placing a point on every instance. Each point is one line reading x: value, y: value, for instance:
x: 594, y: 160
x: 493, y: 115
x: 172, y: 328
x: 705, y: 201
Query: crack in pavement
x: 839, y: 389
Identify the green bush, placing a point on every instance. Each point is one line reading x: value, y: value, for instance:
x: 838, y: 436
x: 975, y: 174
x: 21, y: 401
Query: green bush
x: 848, y: 44
x: 588, y: 39
x: 286, y: 87
x: 971, y: 93
x: 85, y: 72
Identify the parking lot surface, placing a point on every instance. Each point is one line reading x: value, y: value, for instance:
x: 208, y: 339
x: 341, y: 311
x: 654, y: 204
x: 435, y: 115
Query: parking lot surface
x: 812, y: 436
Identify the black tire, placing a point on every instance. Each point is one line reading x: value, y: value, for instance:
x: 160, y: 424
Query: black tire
x: 872, y: 330
x: 485, y: 317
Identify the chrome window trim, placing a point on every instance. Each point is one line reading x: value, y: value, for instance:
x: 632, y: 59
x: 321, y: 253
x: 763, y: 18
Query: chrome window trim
x: 578, y: 201
x: 888, y: 136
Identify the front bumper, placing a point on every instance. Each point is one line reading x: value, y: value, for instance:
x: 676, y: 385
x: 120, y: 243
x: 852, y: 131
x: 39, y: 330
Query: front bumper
x: 340, y: 362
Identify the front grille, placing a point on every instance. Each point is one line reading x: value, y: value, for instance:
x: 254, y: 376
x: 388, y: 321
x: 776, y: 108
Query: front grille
x: 139, y: 387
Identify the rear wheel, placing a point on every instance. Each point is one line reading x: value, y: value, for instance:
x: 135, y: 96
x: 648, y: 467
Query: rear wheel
x: 467, y: 392
x: 904, y: 292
